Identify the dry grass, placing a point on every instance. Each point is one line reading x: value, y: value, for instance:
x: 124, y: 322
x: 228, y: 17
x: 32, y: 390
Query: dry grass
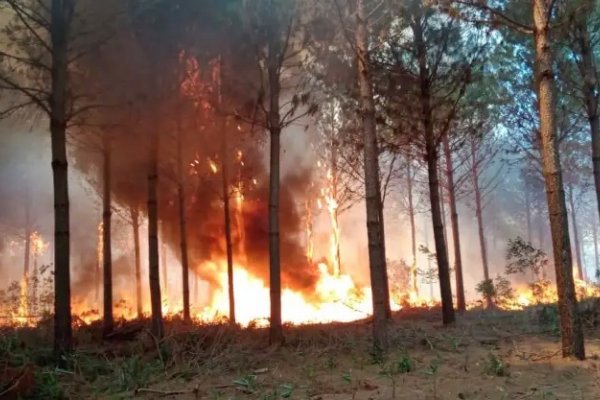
x: 486, y: 355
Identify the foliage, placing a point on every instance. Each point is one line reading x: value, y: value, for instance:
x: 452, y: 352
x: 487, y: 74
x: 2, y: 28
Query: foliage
x: 522, y: 257
x: 495, y: 366
x: 498, y: 290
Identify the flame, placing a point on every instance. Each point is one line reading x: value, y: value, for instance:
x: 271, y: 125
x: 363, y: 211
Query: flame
x: 336, y: 298
x: 213, y: 166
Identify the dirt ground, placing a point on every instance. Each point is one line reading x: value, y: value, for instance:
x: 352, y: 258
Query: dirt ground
x: 486, y: 355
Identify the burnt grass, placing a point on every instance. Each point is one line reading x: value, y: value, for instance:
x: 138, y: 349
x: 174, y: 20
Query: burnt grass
x: 487, y: 354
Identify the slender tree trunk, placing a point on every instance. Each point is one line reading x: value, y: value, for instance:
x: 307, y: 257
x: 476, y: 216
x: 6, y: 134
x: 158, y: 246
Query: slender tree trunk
x: 108, y: 320
x: 226, y: 199
x: 377, y: 261
x: 227, y: 221
x: 135, y: 221
x: 61, y: 14
x: 460, y: 288
x: 479, y: 212
x: 443, y: 203
x: 570, y: 321
x: 98, y: 270
x: 578, y: 257
x: 431, y: 157
x: 276, y: 328
x: 528, y: 214
x: 479, y: 215
x: 590, y: 92
x: 153, y: 247
x: 413, y: 229
x: 183, y: 248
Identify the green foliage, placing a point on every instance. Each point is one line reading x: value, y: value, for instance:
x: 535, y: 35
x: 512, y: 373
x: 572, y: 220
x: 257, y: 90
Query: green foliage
x: 495, y: 366
x: 550, y: 318
x: 47, y: 386
x: 247, y: 383
x: 498, y: 290
x: 133, y: 373
x: 522, y: 257
x: 403, y: 365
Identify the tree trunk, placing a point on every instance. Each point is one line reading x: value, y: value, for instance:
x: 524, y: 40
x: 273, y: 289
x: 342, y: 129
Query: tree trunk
x: 413, y: 229
x: 578, y: 257
x: 61, y: 13
x: 528, y: 213
x: 590, y: 90
x: 460, y: 289
x: 276, y: 328
x: 377, y: 261
x: 571, y: 327
x: 183, y: 248
x: 135, y: 221
x: 98, y: 268
x: 479, y: 213
x: 226, y: 197
x: 227, y: 221
x: 431, y: 157
x: 153, y: 251
x: 108, y: 320
x: 27, y: 250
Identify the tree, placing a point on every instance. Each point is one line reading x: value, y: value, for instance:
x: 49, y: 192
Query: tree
x: 377, y: 260
x: 542, y: 14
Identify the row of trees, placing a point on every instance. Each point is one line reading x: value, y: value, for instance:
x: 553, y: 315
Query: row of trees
x: 438, y: 85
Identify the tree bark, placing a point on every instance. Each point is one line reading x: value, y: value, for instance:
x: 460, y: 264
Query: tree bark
x: 273, y: 65
x: 153, y: 247
x: 571, y: 327
x: 183, y: 248
x: 479, y: 215
x: 227, y: 221
x: 226, y: 197
x: 460, y: 289
x: 431, y: 157
x: 413, y: 229
x: 108, y: 320
x: 377, y: 261
x: 577, y: 245
x: 135, y: 221
x: 61, y: 14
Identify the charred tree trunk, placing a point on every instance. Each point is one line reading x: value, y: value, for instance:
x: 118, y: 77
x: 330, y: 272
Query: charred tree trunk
x: 570, y: 321
x: 108, y: 320
x: 153, y: 247
x: 226, y: 197
x: 276, y: 328
x: 377, y: 262
x: 460, y: 289
x: 413, y: 229
x: 431, y: 157
x: 61, y: 14
x: 135, y: 222
x: 227, y: 221
x: 577, y: 245
x: 183, y: 248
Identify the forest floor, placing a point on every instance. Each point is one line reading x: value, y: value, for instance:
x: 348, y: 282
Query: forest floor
x: 485, y: 355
